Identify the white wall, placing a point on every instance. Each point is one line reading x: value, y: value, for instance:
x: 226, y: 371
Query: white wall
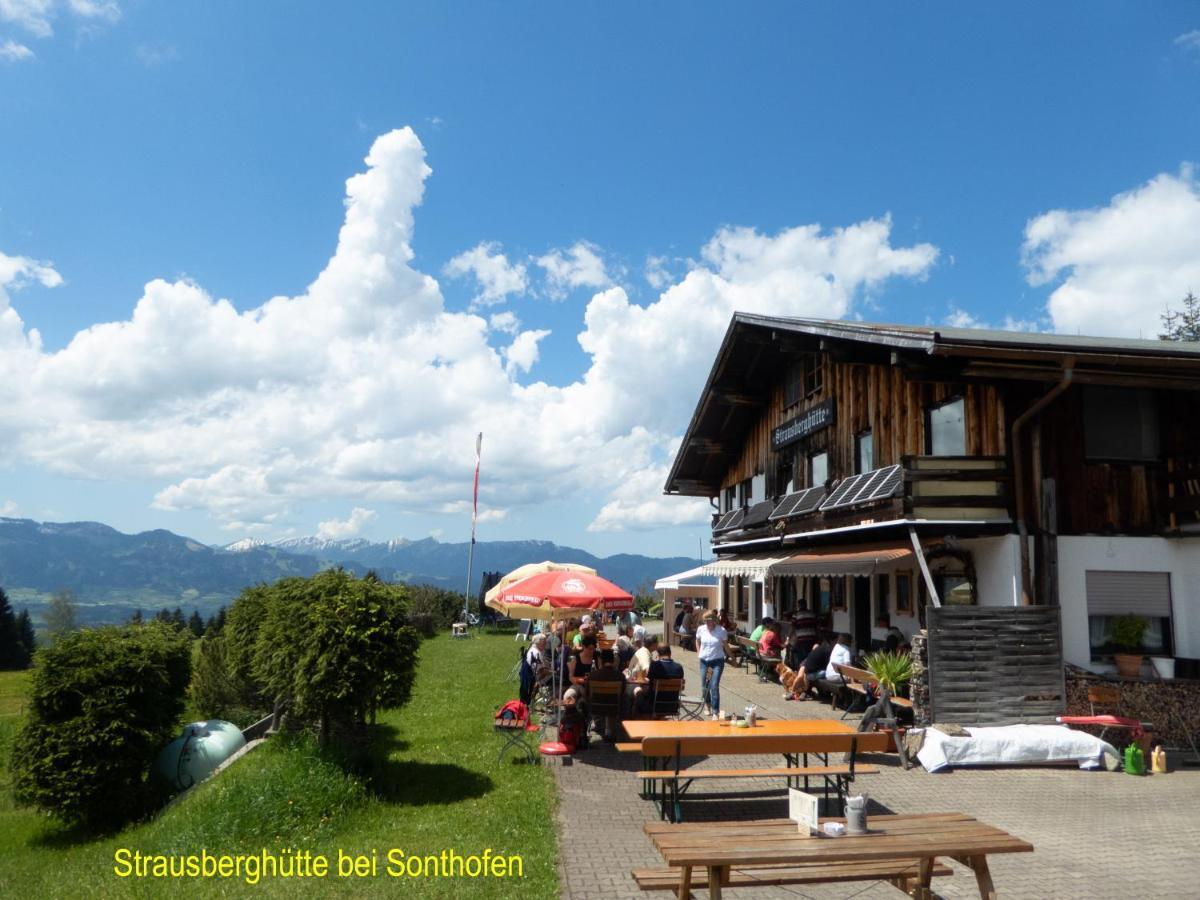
x: 1178, y: 556
x: 997, y: 569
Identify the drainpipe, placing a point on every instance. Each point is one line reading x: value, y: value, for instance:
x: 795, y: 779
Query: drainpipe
x: 1019, y: 478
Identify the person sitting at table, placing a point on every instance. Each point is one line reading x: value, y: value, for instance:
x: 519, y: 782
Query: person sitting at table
x: 607, y: 671
x: 583, y: 661
x: 585, y: 628
x: 624, y: 649
x: 663, y: 668
x: 769, y: 644
x: 726, y: 622
x: 810, y: 670
x: 757, y: 633
x: 839, y: 656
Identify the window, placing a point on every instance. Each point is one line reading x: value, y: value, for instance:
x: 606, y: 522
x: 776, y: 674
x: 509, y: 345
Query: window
x: 945, y: 429
x: 1113, y: 594
x: 837, y: 593
x: 814, y: 375
x: 730, y: 498
x: 904, y: 592
x: 954, y: 589
x: 793, y: 385
x: 741, y: 605
x: 1119, y: 423
x: 746, y: 492
x: 864, y: 452
x: 818, y: 469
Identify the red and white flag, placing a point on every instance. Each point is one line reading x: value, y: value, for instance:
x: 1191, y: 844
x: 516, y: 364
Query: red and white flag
x: 475, y: 501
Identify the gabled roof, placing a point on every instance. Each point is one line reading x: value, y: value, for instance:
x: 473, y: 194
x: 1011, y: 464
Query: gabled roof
x: 757, y: 350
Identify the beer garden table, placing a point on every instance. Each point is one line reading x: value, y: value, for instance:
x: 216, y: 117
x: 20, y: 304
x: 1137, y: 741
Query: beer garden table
x: 919, y: 839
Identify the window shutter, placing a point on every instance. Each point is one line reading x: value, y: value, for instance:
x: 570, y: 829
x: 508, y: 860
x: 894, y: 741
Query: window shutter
x: 1129, y: 593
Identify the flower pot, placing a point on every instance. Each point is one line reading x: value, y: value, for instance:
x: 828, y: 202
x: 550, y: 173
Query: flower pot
x: 1164, y: 666
x: 1129, y: 664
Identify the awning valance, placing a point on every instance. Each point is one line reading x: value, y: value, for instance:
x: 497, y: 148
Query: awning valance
x: 812, y: 562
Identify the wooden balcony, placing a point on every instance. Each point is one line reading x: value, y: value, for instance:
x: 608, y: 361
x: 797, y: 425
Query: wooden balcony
x: 1183, y: 493
x: 968, y: 488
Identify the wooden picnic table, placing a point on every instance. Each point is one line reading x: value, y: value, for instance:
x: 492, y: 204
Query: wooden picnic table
x: 913, y: 843
x: 639, y: 729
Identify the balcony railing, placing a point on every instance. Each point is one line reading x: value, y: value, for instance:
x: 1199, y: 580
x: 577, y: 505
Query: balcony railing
x: 919, y: 487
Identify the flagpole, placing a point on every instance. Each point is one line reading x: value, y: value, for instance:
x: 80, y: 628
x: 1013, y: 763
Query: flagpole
x: 474, y: 517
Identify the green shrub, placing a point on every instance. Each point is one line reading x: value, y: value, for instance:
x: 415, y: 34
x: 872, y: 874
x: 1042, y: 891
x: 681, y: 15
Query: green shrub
x: 431, y: 609
x: 1126, y: 632
x: 103, y: 703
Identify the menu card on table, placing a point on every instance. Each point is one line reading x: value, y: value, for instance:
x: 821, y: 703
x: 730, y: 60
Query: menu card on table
x: 803, y: 809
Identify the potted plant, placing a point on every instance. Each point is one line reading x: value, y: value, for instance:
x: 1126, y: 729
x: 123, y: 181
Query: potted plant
x: 892, y: 672
x: 1125, y: 633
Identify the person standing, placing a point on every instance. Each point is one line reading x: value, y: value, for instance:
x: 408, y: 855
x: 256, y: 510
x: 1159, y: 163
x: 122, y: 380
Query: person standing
x: 710, y: 648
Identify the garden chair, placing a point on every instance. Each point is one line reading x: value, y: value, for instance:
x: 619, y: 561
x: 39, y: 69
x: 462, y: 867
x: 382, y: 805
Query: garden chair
x: 665, y: 701
x: 514, y: 723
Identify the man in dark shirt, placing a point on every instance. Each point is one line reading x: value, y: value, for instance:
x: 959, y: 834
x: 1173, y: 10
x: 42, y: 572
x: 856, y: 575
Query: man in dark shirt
x: 662, y: 668
x: 607, y: 671
x: 813, y: 668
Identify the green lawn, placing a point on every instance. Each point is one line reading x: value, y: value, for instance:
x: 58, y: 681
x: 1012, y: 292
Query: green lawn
x: 436, y: 786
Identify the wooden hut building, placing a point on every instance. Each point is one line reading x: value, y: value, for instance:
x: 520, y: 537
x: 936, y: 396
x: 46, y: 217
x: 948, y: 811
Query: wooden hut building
x: 864, y: 471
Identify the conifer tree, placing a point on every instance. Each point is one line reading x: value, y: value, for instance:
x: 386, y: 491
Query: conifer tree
x: 196, y: 624
x: 12, y: 650
x: 26, y: 633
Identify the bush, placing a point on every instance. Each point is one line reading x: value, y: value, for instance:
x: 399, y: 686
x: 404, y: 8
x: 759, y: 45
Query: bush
x: 431, y: 609
x: 103, y: 703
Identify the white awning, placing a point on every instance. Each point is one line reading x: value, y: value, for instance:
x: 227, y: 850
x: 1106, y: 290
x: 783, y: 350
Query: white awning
x: 828, y: 562
x: 668, y: 582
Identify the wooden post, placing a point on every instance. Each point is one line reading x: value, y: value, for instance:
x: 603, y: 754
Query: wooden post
x: 920, y: 554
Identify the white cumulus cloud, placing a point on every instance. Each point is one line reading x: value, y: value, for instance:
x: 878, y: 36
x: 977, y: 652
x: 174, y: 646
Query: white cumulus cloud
x: 9, y: 508
x: 337, y: 529
x: 1190, y: 40
x: 37, y: 16
x: 492, y: 272
x: 579, y: 266
x: 364, y: 389
x: 1121, y: 265
x: 11, y: 52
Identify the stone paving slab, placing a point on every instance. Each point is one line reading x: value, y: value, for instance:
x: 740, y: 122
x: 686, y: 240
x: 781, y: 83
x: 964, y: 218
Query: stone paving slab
x: 1096, y: 834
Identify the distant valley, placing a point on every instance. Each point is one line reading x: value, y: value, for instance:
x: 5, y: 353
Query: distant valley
x: 112, y: 574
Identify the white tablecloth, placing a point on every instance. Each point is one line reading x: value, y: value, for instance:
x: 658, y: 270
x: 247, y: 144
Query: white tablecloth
x: 1014, y: 745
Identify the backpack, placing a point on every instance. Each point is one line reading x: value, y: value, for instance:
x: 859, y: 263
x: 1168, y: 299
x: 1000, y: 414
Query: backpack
x: 512, y: 712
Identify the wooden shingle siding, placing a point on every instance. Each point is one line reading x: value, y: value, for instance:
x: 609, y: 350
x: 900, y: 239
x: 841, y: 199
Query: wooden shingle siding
x: 995, y: 665
x: 879, y: 398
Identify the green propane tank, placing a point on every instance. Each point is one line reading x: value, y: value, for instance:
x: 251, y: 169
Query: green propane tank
x: 1135, y: 760
x: 199, y: 749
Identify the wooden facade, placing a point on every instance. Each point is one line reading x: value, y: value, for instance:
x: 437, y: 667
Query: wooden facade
x: 878, y: 398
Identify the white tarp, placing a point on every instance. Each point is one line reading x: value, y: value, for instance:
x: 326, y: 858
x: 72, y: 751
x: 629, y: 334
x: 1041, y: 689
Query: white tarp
x: 1015, y: 745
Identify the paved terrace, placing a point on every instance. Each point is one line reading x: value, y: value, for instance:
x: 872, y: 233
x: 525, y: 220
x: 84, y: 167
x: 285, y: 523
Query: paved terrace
x: 1096, y: 834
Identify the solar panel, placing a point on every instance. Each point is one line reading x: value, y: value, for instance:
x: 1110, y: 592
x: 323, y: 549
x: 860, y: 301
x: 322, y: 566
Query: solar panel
x: 723, y: 522
x: 798, y: 503
x: 877, y: 484
x: 731, y: 521
x: 786, y: 506
x: 839, y: 492
x: 757, y: 514
x: 810, y: 500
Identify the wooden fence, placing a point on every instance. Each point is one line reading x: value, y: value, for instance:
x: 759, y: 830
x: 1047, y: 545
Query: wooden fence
x: 995, y: 665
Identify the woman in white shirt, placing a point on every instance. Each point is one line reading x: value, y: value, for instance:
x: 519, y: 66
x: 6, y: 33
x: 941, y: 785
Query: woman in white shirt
x: 710, y: 649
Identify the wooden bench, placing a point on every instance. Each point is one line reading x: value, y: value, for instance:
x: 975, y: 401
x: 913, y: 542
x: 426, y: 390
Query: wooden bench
x: 668, y: 783
x: 897, y: 872
x: 862, y: 682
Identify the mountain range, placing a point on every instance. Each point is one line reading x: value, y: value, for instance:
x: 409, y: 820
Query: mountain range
x: 112, y: 574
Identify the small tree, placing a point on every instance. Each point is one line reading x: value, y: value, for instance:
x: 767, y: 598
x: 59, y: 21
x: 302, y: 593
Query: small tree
x: 196, y: 624
x: 13, y: 654
x: 61, y: 615
x: 103, y: 702
x: 26, y: 633
x: 136, y: 618
x: 1184, y: 324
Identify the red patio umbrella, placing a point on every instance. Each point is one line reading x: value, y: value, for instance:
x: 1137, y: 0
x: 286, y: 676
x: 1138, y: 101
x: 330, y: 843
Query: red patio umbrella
x: 559, y: 595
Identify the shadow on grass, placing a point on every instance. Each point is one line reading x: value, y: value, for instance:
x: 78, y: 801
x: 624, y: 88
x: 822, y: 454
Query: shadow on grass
x: 414, y: 783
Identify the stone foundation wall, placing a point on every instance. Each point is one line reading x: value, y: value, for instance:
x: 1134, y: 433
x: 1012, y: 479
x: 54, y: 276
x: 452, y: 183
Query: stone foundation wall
x: 1172, y: 707
x: 918, y: 686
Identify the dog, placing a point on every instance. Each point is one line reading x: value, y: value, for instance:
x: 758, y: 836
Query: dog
x: 787, y: 677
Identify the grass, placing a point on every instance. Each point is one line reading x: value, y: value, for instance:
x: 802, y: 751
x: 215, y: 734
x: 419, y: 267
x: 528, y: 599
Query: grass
x: 434, y: 784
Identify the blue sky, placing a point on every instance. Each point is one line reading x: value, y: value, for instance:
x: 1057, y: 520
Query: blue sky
x: 1018, y: 165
